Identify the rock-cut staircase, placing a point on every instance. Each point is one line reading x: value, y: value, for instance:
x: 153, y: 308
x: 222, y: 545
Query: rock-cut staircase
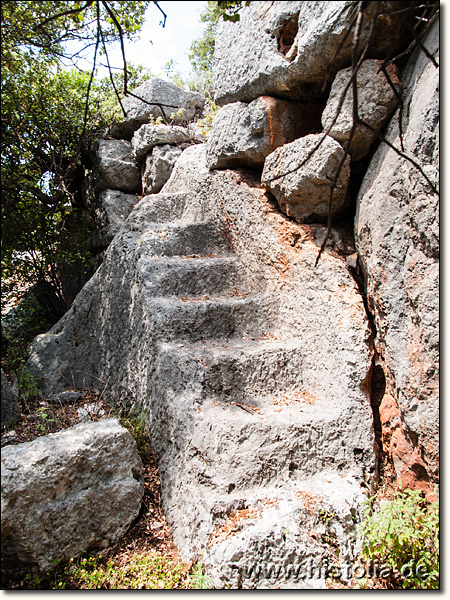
x: 253, y: 446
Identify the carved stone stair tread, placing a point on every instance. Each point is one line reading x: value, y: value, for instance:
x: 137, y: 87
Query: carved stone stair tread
x: 189, y: 275
x: 201, y: 317
x: 175, y: 239
x: 233, y: 369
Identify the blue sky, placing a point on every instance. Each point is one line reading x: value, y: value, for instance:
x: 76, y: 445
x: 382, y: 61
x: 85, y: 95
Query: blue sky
x: 158, y: 45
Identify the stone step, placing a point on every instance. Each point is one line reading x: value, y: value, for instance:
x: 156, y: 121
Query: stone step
x: 186, y: 239
x: 160, y: 208
x: 237, y: 369
x: 289, y: 524
x: 197, y: 318
x: 189, y: 276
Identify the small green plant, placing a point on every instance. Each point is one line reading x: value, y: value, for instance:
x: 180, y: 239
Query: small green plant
x: 403, y: 536
x: 199, y: 580
x: 46, y: 418
x: 28, y: 383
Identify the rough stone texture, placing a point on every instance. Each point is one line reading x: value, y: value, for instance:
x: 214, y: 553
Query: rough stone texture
x: 255, y: 57
x: 397, y: 233
x: 157, y: 98
x: 252, y: 366
x: 113, y: 207
x: 148, y: 136
x: 10, y: 404
x: 244, y: 134
x: 158, y: 167
x: 376, y: 102
x: 116, y: 167
x: 68, y: 492
x: 300, y: 175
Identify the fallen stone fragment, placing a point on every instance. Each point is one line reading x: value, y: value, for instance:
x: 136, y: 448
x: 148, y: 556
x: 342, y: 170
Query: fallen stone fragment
x: 244, y: 134
x: 158, y: 168
x: 66, y: 397
x: 376, y: 101
x: 116, y: 167
x: 157, y: 98
x: 148, y: 136
x: 300, y: 175
x: 68, y: 492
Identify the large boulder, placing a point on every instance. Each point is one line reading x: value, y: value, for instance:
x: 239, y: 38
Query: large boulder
x: 116, y: 168
x: 158, y: 168
x: 157, y: 98
x: 68, y: 492
x: 10, y: 403
x: 376, y: 102
x: 300, y: 175
x: 288, y: 49
x: 244, y: 134
x: 150, y: 135
x: 397, y: 235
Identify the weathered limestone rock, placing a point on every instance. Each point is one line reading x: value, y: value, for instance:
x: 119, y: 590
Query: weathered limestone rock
x: 397, y: 233
x: 116, y: 167
x: 157, y: 98
x: 113, y: 207
x: 376, y: 102
x: 10, y: 404
x: 68, y: 492
x: 252, y: 366
x: 158, y: 168
x: 287, y: 49
x: 300, y: 175
x: 244, y: 134
x: 148, y: 136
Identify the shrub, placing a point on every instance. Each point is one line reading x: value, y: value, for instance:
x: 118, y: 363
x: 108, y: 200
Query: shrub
x: 403, y: 535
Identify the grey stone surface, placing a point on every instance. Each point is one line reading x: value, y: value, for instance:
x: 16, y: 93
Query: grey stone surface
x: 10, y: 404
x: 255, y: 57
x: 69, y: 492
x: 148, y: 136
x: 158, y: 168
x: 397, y: 234
x: 300, y: 175
x: 157, y: 98
x: 112, y: 209
x: 376, y: 102
x: 116, y: 167
x: 249, y: 362
x: 244, y: 134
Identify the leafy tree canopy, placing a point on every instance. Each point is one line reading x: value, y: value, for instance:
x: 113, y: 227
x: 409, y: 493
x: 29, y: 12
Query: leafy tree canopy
x: 50, y: 113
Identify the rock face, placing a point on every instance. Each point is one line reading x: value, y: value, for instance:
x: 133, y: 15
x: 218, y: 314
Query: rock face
x: 397, y: 234
x: 300, y: 175
x: 158, y: 167
x: 116, y: 167
x: 10, y: 404
x: 113, y: 207
x: 252, y: 365
x: 287, y: 49
x: 157, y: 98
x: 376, y: 102
x: 68, y: 492
x: 244, y: 134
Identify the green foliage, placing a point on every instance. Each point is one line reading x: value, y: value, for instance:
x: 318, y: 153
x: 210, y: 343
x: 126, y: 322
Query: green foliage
x: 199, y: 580
x: 142, y: 572
x: 50, y: 115
x: 403, y: 534
x: 230, y: 10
